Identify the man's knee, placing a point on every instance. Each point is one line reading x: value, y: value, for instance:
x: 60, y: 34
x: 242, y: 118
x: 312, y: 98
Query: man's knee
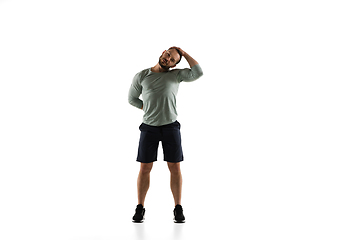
x: 174, y: 167
x: 146, y: 167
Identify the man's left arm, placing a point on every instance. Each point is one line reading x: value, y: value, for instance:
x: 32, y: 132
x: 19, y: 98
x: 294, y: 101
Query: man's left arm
x: 189, y: 75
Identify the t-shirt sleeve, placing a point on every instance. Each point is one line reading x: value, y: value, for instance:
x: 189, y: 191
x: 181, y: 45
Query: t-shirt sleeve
x: 189, y: 75
x: 135, y: 92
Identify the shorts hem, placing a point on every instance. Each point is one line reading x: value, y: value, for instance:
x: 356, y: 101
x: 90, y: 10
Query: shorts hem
x: 146, y: 161
x: 174, y: 161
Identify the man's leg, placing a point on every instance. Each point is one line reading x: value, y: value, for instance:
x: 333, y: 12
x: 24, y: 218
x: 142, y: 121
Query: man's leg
x: 143, y: 181
x: 175, y: 181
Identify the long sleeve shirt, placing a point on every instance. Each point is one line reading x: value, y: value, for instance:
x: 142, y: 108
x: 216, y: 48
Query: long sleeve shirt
x: 159, y: 92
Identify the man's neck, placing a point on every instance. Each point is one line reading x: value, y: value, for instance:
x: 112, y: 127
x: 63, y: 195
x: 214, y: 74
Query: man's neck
x: 157, y: 68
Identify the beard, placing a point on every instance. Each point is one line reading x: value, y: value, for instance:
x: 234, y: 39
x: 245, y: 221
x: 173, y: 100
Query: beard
x: 162, y: 65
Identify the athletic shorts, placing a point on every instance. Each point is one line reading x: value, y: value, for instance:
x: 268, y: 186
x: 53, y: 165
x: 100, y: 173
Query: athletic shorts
x: 150, y: 136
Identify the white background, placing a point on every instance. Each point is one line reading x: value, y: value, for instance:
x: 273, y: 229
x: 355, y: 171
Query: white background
x: 270, y: 132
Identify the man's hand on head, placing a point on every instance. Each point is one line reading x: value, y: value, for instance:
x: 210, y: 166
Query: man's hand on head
x: 192, y: 62
x: 182, y: 51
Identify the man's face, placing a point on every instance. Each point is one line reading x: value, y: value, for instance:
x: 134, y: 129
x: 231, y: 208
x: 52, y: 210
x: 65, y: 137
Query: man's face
x: 169, y: 59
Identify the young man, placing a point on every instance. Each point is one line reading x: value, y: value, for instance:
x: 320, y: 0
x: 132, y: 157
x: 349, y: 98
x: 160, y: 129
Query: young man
x: 159, y: 86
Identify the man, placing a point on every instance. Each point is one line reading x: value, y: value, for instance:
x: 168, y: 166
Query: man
x: 159, y: 86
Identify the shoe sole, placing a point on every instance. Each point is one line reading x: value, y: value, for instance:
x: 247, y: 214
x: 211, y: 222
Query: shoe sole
x: 179, y: 221
x: 138, y: 221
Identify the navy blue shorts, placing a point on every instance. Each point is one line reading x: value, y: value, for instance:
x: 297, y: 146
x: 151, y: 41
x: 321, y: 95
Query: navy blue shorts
x: 170, y: 137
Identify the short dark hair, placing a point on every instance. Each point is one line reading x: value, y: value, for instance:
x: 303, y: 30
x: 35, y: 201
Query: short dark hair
x: 179, y: 54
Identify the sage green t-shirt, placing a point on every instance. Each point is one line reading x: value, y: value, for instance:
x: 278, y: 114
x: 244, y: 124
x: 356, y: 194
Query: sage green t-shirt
x: 159, y: 92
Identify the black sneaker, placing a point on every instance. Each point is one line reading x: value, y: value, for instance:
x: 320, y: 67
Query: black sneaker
x: 139, y: 214
x: 178, y: 214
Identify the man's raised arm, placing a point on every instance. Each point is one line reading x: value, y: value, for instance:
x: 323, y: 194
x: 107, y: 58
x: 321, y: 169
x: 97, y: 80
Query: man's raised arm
x: 189, y: 75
